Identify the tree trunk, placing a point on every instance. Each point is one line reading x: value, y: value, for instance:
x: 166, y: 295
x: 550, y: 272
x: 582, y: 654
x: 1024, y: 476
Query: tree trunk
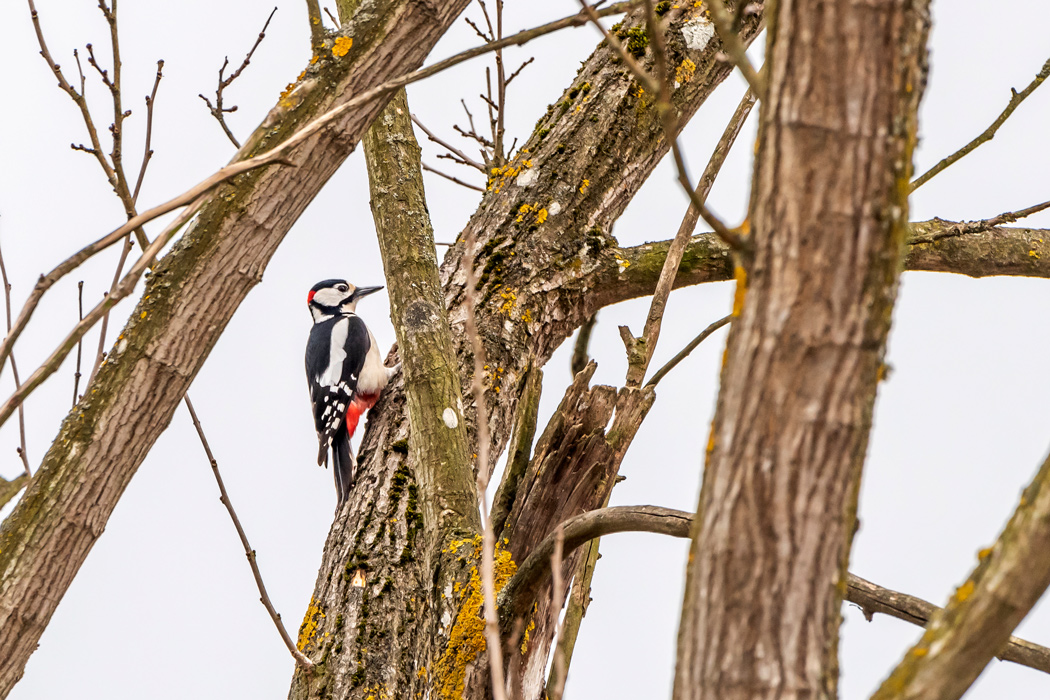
x: 767, y: 566
x: 542, y: 243
x: 190, y: 297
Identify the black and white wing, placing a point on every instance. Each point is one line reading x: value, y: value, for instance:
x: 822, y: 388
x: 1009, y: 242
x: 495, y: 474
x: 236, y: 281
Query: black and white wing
x: 335, y: 354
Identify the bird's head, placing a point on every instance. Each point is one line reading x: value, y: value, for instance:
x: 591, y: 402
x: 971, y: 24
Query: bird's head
x: 333, y: 297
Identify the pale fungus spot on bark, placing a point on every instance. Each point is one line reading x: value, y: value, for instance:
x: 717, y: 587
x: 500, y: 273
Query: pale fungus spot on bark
x: 122, y: 345
x: 554, y: 209
x: 698, y: 32
x: 450, y: 418
x: 526, y: 178
x: 359, y: 579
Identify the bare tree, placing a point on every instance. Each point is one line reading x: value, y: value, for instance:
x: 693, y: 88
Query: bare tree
x: 423, y: 591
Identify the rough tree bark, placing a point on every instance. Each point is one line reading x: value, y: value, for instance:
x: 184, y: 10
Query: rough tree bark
x: 188, y: 301
x: 767, y: 565
x: 542, y: 234
x: 546, y: 261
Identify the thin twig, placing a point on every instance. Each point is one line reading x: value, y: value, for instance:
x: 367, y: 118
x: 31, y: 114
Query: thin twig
x: 453, y: 179
x: 317, y: 31
x: 129, y: 201
x: 704, y: 334
x: 651, y: 334
x: 488, y: 545
x: 966, y: 227
x: 515, y: 75
x: 671, y: 128
x: 558, y: 600
x: 735, y: 48
x: 501, y: 92
x: 335, y: 20
x: 116, y: 154
x: 444, y: 144
x: 275, y: 155
x: 126, y: 286
x: 1016, y: 98
x: 264, y: 598
x: 477, y: 30
x: 147, y: 152
x: 217, y: 110
x: 114, y: 170
x: 639, y: 73
x: 14, y: 371
x: 80, y: 343
x: 583, y: 339
x: 77, y: 97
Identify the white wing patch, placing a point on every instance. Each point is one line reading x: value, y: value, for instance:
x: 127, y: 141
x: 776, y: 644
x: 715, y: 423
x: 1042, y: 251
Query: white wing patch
x: 336, y: 354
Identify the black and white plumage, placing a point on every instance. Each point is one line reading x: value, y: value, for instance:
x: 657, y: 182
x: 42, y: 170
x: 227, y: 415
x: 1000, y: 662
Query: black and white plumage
x: 344, y: 371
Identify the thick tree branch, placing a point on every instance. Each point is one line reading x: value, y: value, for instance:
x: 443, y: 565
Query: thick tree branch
x: 437, y: 438
x: 523, y: 588
x: 935, y: 246
x: 869, y: 597
x: 1008, y: 581
x: 872, y: 598
x: 10, y: 489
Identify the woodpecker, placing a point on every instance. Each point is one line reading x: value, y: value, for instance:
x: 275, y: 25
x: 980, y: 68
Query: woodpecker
x: 344, y: 371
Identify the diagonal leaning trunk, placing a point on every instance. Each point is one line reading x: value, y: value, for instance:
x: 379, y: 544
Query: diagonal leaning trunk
x: 777, y: 512
x: 188, y: 301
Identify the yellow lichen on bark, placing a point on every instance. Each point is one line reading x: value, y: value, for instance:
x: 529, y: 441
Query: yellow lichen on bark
x: 740, y: 275
x: 342, y: 46
x: 467, y: 637
x: 308, y: 630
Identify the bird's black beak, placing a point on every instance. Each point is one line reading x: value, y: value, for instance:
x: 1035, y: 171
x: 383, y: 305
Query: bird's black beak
x: 363, y: 292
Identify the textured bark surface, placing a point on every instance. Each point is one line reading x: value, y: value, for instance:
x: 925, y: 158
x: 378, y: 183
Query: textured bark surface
x: 10, y: 489
x: 767, y: 567
x: 572, y: 472
x: 934, y: 247
x: 188, y: 301
x: 435, y: 400
x: 542, y: 234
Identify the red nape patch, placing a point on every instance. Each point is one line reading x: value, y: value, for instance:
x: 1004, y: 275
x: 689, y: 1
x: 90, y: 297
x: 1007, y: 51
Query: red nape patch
x: 310, y: 297
x: 353, y: 415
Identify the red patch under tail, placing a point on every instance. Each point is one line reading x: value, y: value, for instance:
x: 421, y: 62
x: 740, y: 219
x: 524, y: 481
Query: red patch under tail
x: 358, y: 405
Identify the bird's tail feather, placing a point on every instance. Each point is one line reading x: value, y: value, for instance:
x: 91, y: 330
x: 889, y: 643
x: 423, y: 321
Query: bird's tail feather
x: 343, y: 466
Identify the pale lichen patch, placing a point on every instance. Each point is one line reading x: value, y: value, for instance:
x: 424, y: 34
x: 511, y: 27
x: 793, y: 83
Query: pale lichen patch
x: 698, y: 32
x: 526, y: 178
x: 450, y: 418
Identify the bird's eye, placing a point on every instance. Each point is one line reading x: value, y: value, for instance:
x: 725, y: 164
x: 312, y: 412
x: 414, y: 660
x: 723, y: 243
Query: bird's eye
x: 342, y: 288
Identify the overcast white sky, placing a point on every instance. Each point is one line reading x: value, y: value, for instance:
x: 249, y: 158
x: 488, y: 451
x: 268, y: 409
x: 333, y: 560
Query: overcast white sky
x: 165, y: 606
